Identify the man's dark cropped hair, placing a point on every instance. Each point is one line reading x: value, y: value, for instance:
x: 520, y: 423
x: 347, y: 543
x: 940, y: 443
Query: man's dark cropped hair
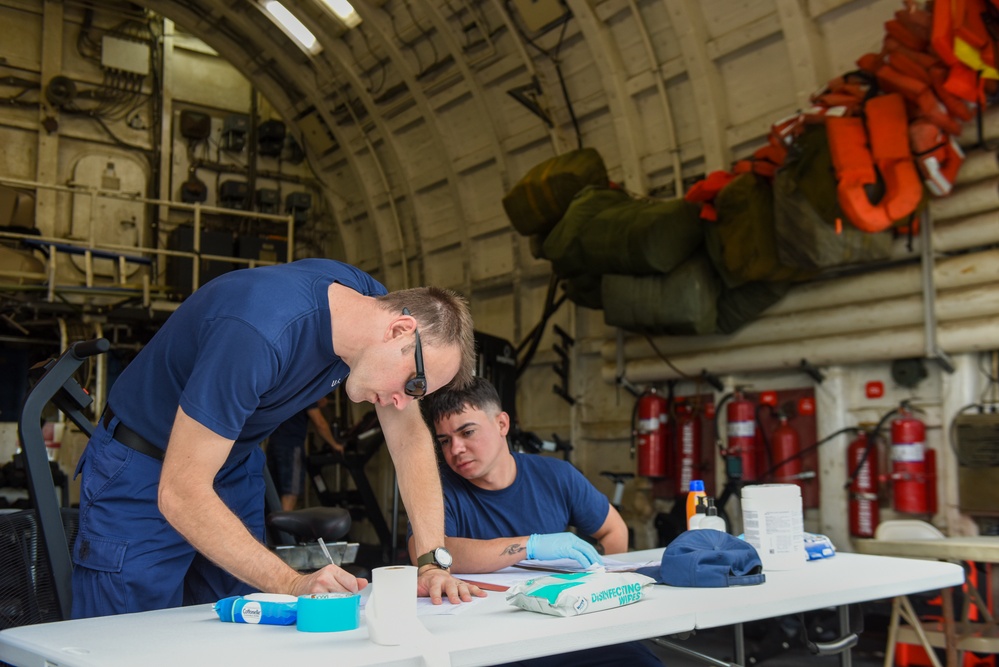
x: 480, y: 394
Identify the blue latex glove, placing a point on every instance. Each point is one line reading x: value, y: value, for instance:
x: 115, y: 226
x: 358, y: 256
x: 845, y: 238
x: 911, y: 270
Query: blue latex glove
x: 562, y: 545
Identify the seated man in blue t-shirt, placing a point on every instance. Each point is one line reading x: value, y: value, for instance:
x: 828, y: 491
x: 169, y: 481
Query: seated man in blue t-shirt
x: 502, y: 507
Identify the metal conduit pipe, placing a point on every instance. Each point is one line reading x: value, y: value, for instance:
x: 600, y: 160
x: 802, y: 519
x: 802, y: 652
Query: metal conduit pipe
x: 956, y: 337
x: 965, y: 303
x: 978, y: 165
x: 953, y: 273
x: 976, y: 231
x: 968, y: 200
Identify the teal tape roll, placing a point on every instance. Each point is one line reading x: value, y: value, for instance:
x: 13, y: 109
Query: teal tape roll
x: 329, y: 612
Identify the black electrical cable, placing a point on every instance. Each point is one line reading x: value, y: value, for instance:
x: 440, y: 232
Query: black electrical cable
x: 148, y: 153
x: 872, y: 439
x: 409, y: 45
x: 553, y: 57
x: 809, y: 449
x: 379, y: 62
x: 534, y: 337
x: 667, y: 361
x: 561, y: 80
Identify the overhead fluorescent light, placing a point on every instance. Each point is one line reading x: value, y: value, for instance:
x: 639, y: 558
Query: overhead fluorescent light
x: 292, y: 27
x: 344, y: 11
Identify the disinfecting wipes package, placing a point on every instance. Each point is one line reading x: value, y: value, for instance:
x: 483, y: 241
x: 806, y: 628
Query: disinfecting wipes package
x: 579, y: 593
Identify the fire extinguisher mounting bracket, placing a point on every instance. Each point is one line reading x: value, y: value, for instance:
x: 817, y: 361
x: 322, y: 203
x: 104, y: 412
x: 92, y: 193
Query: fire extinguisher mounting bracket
x: 712, y: 379
x: 811, y: 371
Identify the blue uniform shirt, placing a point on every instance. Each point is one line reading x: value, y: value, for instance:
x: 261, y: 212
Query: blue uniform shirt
x: 547, y: 496
x: 240, y: 355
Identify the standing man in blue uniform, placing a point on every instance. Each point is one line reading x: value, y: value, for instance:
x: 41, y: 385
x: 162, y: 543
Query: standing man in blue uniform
x: 171, y: 499
x: 286, y: 451
x: 502, y: 507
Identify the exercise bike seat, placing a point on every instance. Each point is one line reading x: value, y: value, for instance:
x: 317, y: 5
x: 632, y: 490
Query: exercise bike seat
x: 309, y: 524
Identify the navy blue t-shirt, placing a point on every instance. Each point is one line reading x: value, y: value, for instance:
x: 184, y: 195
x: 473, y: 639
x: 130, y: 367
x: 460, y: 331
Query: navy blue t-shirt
x: 241, y: 355
x: 547, y: 496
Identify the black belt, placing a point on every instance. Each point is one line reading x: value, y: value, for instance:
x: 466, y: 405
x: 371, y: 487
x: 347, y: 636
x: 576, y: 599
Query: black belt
x: 130, y: 438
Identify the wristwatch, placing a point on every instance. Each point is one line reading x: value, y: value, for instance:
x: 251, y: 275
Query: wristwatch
x: 440, y: 557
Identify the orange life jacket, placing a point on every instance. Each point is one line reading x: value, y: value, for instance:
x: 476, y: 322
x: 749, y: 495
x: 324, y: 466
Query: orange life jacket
x: 858, y: 148
x: 911, y: 27
x: 765, y: 161
x: 938, y: 156
x: 842, y: 96
x: 962, y: 39
x: 918, y: 91
x: 703, y: 192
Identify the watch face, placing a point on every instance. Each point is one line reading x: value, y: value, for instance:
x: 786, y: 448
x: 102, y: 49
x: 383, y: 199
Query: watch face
x: 443, y: 557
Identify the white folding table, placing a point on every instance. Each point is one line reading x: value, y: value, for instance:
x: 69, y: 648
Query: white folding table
x: 488, y: 632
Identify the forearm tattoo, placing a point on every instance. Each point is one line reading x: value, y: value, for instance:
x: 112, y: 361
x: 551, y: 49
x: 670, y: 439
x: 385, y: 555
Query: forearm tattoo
x: 513, y: 549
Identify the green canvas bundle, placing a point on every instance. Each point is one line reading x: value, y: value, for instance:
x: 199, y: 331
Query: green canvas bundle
x: 682, y: 302
x: 742, y: 242
x: 806, y: 209
x: 743, y: 304
x: 606, y: 231
x: 539, y: 199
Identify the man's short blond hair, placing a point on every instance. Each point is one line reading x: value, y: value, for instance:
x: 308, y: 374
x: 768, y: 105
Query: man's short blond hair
x: 443, y: 318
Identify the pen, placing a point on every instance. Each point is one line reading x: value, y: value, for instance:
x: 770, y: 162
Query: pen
x: 326, y: 552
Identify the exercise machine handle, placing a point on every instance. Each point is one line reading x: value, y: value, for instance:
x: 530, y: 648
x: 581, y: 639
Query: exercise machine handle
x: 89, y: 348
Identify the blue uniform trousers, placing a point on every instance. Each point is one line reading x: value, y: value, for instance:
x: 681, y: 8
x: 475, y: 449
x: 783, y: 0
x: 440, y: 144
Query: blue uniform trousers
x: 127, y: 557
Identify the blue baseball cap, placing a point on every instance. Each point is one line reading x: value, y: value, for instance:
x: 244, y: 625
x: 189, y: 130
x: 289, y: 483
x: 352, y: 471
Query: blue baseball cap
x: 708, y: 559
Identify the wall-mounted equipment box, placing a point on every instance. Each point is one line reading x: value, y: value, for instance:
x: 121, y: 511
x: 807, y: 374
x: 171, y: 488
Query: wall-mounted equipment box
x: 179, y: 269
x: 268, y: 200
x: 234, y: 194
x: 124, y: 55
x: 270, y: 138
x: 298, y: 204
x: 235, y: 127
x: 268, y: 250
x: 977, y: 446
x: 194, y: 125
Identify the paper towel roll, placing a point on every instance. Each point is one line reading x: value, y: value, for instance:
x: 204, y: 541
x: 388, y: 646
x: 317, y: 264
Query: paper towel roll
x: 391, y: 614
x: 391, y: 609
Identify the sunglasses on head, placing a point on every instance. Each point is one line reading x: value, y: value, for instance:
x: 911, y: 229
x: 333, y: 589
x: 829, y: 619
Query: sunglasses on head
x: 417, y: 386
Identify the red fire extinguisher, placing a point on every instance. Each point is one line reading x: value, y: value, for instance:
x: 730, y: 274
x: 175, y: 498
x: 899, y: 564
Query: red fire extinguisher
x: 741, y: 453
x: 650, y: 434
x: 864, y: 511
x: 785, y: 447
x: 910, y: 475
x: 688, y: 447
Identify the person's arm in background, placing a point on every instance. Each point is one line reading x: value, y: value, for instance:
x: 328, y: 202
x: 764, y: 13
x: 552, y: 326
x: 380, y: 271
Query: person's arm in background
x: 322, y: 427
x: 612, y: 536
x: 412, y: 449
x: 189, y: 502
